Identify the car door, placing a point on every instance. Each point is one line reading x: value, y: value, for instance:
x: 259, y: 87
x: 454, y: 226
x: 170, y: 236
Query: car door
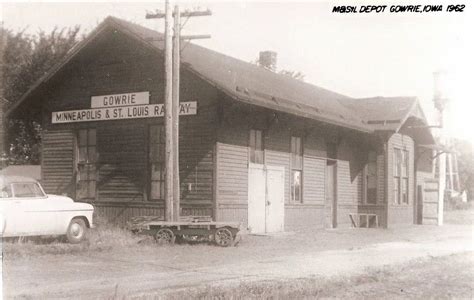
x: 12, y: 217
x: 37, y: 214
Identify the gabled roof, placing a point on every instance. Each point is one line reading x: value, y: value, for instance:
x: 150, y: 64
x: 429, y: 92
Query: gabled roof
x: 383, y: 113
x: 255, y: 85
x: 391, y: 113
x: 240, y: 80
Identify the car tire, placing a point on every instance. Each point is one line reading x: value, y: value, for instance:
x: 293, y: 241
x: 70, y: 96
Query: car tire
x: 76, y: 231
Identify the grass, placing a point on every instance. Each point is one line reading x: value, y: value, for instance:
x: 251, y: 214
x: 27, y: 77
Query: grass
x: 441, y: 277
x: 104, y: 237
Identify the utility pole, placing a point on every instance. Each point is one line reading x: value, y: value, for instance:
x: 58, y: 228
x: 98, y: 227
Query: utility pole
x: 168, y: 115
x: 176, y: 71
x: 440, y: 100
x: 172, y: 72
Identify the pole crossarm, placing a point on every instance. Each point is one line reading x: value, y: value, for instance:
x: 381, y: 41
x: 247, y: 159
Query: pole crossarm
x: 195, y: 37
x: 182, y: 38
x: 424, y: 126
x: 160, y: 14
x: 172, y: 49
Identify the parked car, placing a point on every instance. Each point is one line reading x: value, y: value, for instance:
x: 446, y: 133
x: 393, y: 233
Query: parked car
x: 26, y: 210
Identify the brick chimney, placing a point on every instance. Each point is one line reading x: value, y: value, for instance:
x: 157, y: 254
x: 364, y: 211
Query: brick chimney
x: 268, y: 60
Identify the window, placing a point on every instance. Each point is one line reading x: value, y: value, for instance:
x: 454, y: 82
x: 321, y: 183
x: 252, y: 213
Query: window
x: 405, y: 168
x: 6, y: 192
x: 86, y: 163
x: 371, y: 178
x: 296, y: 169
x: 256, y: 146
x: 400, y: 176
x: 27, y: 189
x: 157, y: 159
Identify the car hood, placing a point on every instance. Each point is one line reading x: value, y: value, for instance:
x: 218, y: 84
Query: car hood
x: 68, y: 202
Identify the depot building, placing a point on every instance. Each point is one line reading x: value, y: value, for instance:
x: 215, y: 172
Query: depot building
x: 255, y: 146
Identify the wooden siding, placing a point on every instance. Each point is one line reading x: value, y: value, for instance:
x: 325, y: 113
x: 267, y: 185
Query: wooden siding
x: 381, y: 179
x: 122, y: 161
x: 112, y: 64
x: 232, y: 174
x: 232, y: 164
x: 346, y: 199
x: 196, y: 157
x: 345, y: 190
x: 233, y: 213
x: 57, y: 161
x: 314, y: 180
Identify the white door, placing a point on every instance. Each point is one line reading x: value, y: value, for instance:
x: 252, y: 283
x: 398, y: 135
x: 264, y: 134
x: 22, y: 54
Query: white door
x: 256, y: 199
x: 275, y: 204
x: 265, y: 198
x: 40, y: 216
x: 13, y: 217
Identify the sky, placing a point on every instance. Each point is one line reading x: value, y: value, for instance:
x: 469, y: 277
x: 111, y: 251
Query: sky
x: 359, y: 55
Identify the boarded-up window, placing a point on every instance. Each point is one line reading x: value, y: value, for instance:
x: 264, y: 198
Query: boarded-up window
x: 256, y: 146
x: 296, y: 169
x: 371, y: 178
x: 157, y: 166
x: 86, y: 163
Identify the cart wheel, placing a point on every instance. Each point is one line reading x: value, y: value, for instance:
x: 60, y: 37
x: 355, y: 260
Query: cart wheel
x: 223, y: 237
x: 165, y: 236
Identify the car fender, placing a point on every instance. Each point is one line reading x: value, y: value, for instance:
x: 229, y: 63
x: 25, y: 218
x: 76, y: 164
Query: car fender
x: 2, y: 224
x: 67, y: 217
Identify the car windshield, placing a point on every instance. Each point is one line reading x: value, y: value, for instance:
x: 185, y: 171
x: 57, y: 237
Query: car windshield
x: 27, y: 189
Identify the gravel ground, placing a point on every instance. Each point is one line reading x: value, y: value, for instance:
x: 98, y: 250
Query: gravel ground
x: 128, y: 268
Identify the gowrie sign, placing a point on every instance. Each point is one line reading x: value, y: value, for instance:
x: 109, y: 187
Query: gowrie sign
x: 119, y: 107
x: 120, y: 100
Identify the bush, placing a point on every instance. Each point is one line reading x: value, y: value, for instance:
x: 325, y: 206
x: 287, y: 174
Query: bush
x: 104, y: 237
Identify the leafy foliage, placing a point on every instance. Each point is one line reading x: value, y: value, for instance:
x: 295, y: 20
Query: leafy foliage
x: 293, y: 74
x: 465, y: 155
x: 26, y: 59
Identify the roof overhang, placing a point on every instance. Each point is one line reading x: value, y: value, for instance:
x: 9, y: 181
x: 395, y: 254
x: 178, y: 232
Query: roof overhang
x: 148, y: 43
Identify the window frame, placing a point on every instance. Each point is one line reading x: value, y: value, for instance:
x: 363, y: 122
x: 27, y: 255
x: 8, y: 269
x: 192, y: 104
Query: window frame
x: 401, y: 176
x: 89, y: 164
x: 253, y: 133
x: 38, y: 187
x: 160, y: 161
x: 294, y: 153
x: 366, y: 178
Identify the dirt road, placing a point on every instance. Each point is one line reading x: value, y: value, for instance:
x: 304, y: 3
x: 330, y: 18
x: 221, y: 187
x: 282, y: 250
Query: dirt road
x: 153, y: 269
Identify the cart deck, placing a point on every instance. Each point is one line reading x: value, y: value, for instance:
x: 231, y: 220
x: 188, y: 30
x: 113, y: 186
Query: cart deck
x: 188, y: 229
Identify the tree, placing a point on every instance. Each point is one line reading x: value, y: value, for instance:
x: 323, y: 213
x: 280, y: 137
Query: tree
x: 293, y: 74
x: 465, y: 156
x: 27, y: 58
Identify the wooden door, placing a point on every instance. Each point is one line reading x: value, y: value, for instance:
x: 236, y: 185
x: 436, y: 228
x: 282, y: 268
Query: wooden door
x: 418, y: 207
x: 275, y: 199
x: 331, y: 199
x: 256, y: 198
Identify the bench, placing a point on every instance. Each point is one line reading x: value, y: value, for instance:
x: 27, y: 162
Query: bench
x: 356, y: 219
